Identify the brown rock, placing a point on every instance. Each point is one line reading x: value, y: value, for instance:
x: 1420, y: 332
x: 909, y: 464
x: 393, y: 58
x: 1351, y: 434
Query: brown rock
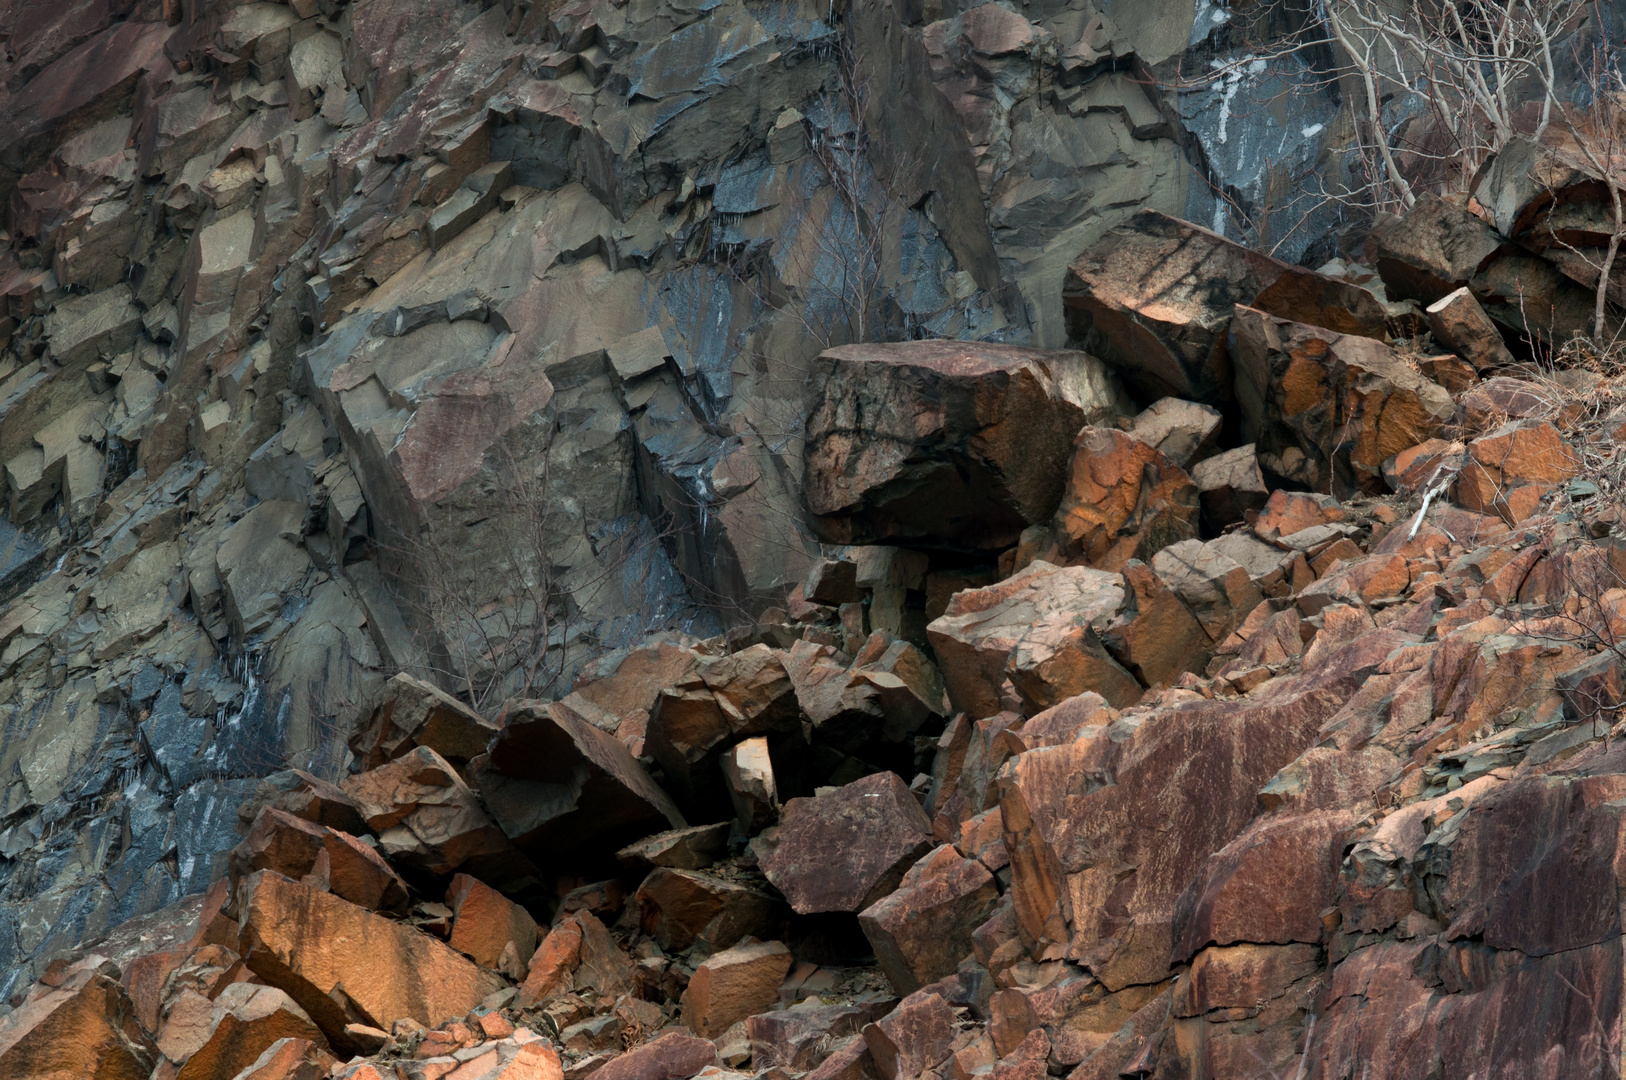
x: 290, y: 1059
x: 916, y: 1036
x: 943, y: 443
x: 743, y: 694
x: 553, y: 964
x: 1240, y: 976
x: 428, y: 819
x: 1040, y: 629
x: 556, y: 784
x: 304, y: 796
x: 629, y: 680
x: 693, y: 848
x: 1155, y: 636
x: 486, y: 923
x: 680, y: 908
x: 1435, y: 248
x: 1513, y: 467
x: 801, y: 1037
x: 245, y: 1021
x: 673, y: 1056
x: 1221, y: 752
x: 415, y: 713
x: 1324, y: 407
x: 1123, y: 500
x: 748, y: 772
x: 344, y: 964
x: 844, y: 850
x: 1460, y: 324
x: 85, y: 1027
x: 1452, y: 372
x: 732, y: 985
x: 1289, y: 512
x: 1416, y: 467
x: 1154, y: 297
x: 833, y: 582
x: 1229, y: 484
x: 1217, y: 590
x: 922, y: 931
x: 321, y: 857
x: 1501, y: 398
x: 1268, y: 886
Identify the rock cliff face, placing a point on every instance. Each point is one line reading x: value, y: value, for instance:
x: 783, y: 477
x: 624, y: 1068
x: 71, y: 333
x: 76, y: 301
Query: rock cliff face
x: 663, y: 540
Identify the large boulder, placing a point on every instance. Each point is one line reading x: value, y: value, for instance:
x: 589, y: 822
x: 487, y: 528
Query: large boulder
x: 922, y: 931
x: 1435, y: 249
x: 1153, y: 298
x: 1124, y: 500
x: 321, y: 857
x: 845, y: 849
x: 1326, y: 408
x: 557, y: 784
x: 430, y: 821
x: 415, y: 713
x: 1040, y: 630
x: 84, y: 1028
x: 944, y: 443
x: 344, y: 964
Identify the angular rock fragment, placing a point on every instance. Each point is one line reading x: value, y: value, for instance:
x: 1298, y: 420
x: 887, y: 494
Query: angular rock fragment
x: 415, y: 713
x: 732, y: 985
x: 679, y: 908
x: 1183, y: 431
x: 916, y: 1036
x: 744, y: 694
x: 945, y: 444
x: 1215, y: 588
x: 1436, y: 248
x: 84, y: 1027
x: 323, y: 858
x: 246, y: 1021
x: 1511, y: 469
x: 748, y: 772
x: 922, y: 931
x: 843, y: 850
x: 1124, y: 500
x: 297, y: 792
x: 1460, y: 324
x: 557, y: 784
x: 1229, y: 485
x: 429, y: 820
x: 486, y: 923
x: 1323, y: 406
x: 1040, y: 630
x: 693, y: 848
x: 290, y: 1059
x: 344, y: 964
x: 1154, y: 298
x: 673, y: 1056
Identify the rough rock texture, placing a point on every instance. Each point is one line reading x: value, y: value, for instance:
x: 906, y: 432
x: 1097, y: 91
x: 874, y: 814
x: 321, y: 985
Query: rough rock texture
x: 940, y: 444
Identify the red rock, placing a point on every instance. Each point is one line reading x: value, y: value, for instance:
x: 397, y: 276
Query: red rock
x: 324, y: 858
x: 304, y: 796
x: 916, y: 1036
x: 1222, y: 753
x: 726, y: 698
x: 1268, y: 886
x: 1154, y: 297
x: 486, y: 922
x: 510, y: 1060
x: 680, y: 908
x: 1326, y: 409
x: 922, y: 930
x: 245, y: 1021
x: 552, y: 964
x: 344, y: 964
x: 731, y: 985
x: 844, y: 850
x: 428, y: 819
x: 557, y: 785
x: 85, y: 1027
x: 673, y: 1056
x: 850, y: 1060
x: 629, y: 680
x: 413, y: 713
x: 289, y: 1059
x: 1123, y: 500
x: 941, y: 442
x: 1513, y: 467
